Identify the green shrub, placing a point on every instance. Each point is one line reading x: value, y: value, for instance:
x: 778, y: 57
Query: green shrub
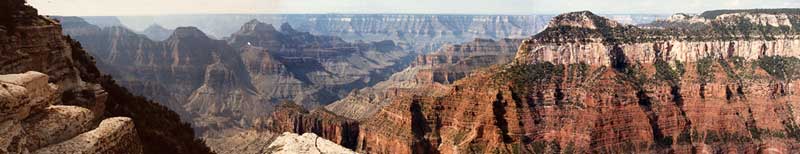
x: 704, y: 70
x: 783, y: 68
x: 664, y: 72
x: 524, y: 77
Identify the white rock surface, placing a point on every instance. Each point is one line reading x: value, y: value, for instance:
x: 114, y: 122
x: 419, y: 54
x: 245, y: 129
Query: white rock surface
x: 56, y: 124
x: 20, y: 93
x: 308, y: 143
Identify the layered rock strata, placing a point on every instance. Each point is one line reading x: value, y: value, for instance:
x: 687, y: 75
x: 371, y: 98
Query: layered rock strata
x: 629, y: 98
x: 595, y: 40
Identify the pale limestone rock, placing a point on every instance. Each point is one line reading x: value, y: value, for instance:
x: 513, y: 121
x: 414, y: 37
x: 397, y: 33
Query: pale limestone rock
x: 597, y: 53
x: 12, y: 137
x: 30, y: 80
x: 685, y: 18
x: 773, y: 20
x: 20, y: 93
x: 114, y: 135
x: 28, y: 121
x: 308, y: 143
x: 56, y: 124
x: 582, y: 19
x: 12, y: 106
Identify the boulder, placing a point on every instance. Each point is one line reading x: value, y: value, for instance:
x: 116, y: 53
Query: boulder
x: 20, y: 93
x: 113, y: 135
x: 56, y: 124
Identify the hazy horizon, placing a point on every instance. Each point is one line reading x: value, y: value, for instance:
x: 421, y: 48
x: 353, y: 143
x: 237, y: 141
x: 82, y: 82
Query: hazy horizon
x: 456, y: 7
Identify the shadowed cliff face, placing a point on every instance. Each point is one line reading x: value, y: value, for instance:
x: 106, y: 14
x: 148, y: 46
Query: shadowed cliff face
x: 84, y: 96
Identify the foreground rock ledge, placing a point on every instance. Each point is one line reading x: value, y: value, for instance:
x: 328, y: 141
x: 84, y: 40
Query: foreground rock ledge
x: 308, y: 143
x: 31, y: 123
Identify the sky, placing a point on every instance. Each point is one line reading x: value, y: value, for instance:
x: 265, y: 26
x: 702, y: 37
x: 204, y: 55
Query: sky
x: 165, y: 7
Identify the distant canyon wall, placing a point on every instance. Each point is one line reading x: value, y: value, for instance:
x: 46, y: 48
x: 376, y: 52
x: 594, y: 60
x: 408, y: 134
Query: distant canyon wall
x: 423, y: 33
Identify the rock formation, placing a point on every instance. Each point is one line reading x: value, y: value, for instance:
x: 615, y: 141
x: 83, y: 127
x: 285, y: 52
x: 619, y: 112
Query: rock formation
x: 590, y: 85
x: 292, y: 118
x: 596, y: 92
x: 429, y: 75
x: 32, y: 122
x: 290, y: 143
x: 38, y: 118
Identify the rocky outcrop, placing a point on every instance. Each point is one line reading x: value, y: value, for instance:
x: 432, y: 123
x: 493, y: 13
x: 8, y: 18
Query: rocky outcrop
x: 289, y: 143
x: 113, y: 135
x: 29, y: 42
x: 32, y: 123
x: 583, y: 19
x: 292, y: 118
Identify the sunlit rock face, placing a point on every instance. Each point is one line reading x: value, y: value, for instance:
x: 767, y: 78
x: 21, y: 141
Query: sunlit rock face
x: 605, y: 92
x: 597, y: 41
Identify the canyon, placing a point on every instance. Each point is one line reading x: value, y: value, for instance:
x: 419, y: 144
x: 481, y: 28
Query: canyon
x: 723, y: 81
x: 587, y: 84
x: 55, y: 100
x: 224, y: 87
